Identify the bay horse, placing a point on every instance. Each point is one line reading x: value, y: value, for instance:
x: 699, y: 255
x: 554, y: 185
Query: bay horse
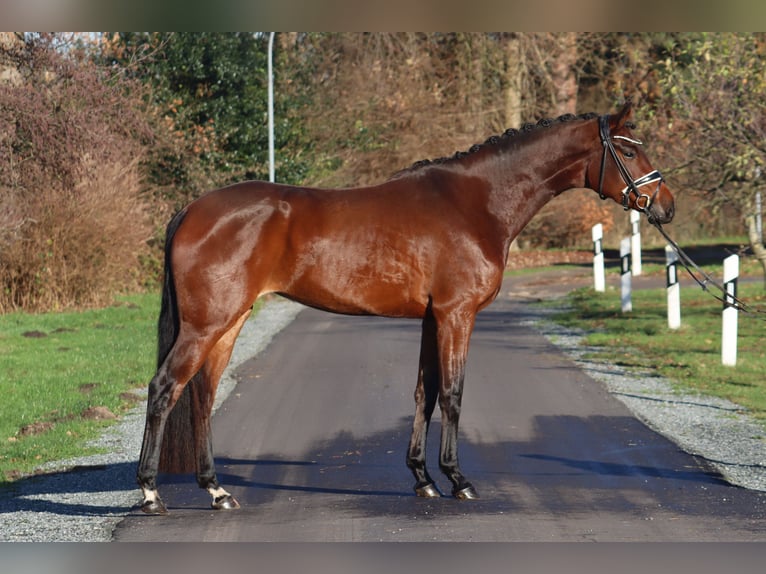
x: 430, y: 243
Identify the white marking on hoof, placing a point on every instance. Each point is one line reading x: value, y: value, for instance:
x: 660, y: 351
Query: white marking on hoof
x: 217, y: 492
x: 150, y: 495
x: 222, y: 500
x: 152, y: 503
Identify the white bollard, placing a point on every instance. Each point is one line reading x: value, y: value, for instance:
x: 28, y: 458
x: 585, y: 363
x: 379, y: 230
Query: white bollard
x: 625, y: 296
x: 599, y: 282
x: 635, y: 241
x: 729, y: 328
x: 674, y: 289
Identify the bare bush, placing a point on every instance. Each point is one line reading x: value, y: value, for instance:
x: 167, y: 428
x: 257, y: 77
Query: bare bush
x: 567, y: 220
x: 72, y: 226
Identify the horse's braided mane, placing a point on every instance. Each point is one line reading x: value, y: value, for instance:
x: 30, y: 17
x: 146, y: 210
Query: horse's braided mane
x: 493, y: 140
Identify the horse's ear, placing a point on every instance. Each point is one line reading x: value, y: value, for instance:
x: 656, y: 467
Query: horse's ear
x: 624, y: 115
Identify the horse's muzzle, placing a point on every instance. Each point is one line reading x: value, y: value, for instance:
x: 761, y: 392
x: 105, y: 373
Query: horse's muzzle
x: 658, y: 213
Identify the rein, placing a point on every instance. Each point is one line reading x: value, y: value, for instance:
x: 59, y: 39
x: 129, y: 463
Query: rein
x: 727, y: 298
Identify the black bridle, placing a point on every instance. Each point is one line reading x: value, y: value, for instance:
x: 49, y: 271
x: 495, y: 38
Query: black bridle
x: 633, y: 185
x: 702, y: 279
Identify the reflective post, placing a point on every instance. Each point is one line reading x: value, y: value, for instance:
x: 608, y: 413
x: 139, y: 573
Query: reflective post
x: 625, y: 286
x: 674, y: 289
x: 729, y: 328
x: 599, y: 282
x: 635, y: 241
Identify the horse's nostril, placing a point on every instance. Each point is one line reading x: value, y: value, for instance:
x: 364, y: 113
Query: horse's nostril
x: 670, y: 212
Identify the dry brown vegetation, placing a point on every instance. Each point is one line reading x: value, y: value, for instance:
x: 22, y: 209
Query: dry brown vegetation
x: 72, y: 222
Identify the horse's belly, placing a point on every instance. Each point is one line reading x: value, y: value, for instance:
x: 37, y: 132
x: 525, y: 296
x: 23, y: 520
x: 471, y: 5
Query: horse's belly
x: 359, y: 297
x: 375, y: 287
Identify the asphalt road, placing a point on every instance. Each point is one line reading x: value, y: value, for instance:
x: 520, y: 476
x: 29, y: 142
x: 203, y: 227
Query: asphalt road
x: 312, y: 443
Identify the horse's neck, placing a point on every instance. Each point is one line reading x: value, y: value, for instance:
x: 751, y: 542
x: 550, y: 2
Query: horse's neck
x: 524, y: 179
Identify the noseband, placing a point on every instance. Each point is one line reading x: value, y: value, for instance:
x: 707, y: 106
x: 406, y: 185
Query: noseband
x: 632, y: 184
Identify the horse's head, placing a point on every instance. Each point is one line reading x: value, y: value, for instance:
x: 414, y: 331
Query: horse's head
x: 624, y: 173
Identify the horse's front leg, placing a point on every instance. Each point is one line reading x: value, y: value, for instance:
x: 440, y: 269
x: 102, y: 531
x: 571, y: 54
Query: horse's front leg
x: 426, y: 394
x: 454, y: 333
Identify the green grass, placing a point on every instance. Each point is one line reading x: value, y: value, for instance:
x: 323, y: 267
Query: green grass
x: 54, y: 366
x: 691, y: 356
x: 523, y: 271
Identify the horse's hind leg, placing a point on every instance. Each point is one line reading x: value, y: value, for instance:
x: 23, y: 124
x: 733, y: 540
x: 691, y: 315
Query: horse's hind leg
x: 188, y: 362
x: 426, y: 394
x: 183, y: 361
x: 212, y: 371
x: 156, y: 415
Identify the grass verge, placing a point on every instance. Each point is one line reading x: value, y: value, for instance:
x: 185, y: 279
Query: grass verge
x: 690, y: 357
x: 64, y: 376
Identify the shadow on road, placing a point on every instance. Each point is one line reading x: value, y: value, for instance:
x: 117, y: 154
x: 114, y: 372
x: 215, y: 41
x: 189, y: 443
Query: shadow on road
x: 567, y: 466
x: 70, y: 493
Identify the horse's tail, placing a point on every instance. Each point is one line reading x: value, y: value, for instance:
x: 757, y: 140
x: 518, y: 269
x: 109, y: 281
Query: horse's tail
x: 178, y: 453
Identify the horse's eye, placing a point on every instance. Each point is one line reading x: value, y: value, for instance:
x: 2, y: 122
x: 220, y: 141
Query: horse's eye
x: 629, y: 154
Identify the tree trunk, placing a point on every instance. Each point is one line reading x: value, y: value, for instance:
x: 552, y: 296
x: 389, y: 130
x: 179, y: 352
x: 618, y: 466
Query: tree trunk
x: 476, y: 46
x: 756, y: 242
x: 514, y: 70
x: 564, y: 75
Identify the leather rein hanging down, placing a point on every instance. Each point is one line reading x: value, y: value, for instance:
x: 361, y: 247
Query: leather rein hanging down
x: 728, y: 299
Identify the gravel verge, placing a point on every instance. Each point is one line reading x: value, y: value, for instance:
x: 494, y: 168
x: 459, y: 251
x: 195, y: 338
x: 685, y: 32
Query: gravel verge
x: 83, y: 499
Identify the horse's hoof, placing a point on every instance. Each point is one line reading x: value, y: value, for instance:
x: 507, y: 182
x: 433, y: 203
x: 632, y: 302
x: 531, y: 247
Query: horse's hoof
x: 466, y: 492
x: 227, y: 502
x: 154, y: 507
x: 427, y: 491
